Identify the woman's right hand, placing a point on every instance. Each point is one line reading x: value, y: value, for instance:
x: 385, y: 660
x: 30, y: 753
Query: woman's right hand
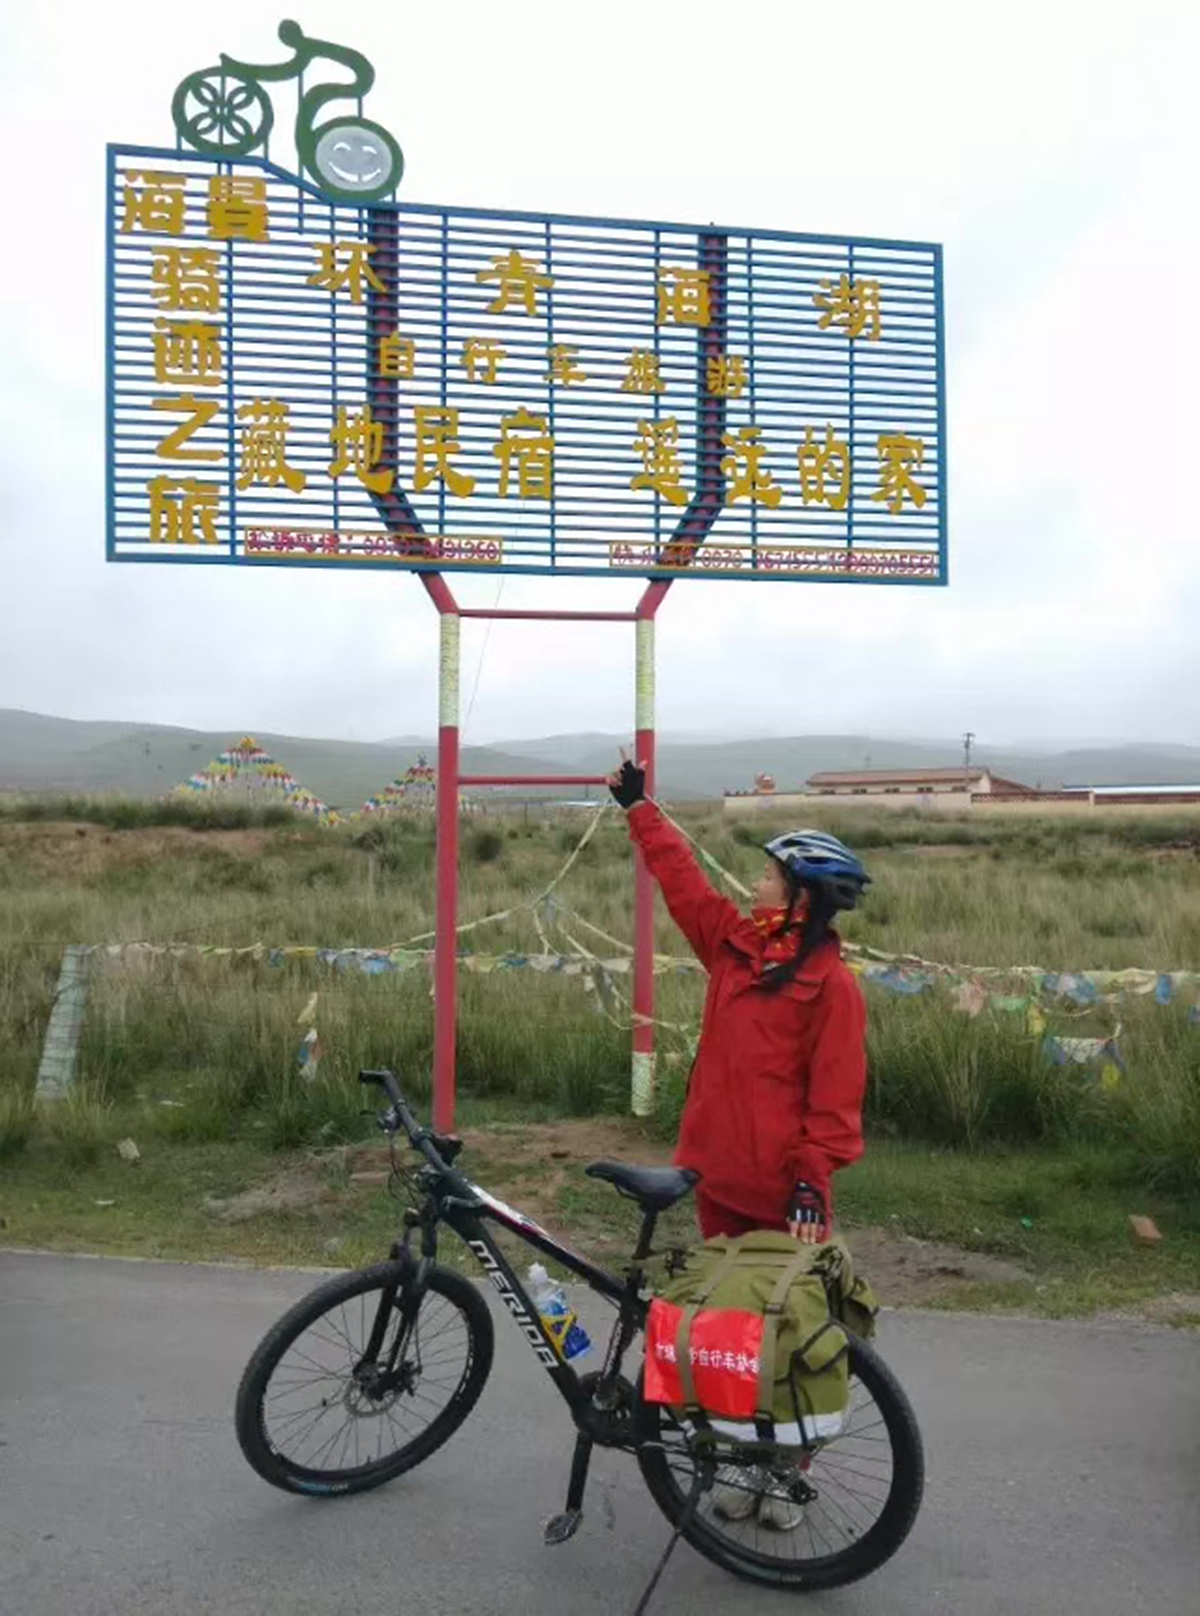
x: 628, y: 783
x: 807, y: 1218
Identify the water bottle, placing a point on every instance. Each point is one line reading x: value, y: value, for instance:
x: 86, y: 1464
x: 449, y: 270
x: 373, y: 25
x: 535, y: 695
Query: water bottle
x: 558, y: 1318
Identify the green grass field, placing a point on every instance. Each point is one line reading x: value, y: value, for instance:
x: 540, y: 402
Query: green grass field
x: 201, y: 1053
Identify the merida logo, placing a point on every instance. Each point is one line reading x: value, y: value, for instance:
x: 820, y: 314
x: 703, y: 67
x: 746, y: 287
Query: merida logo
x: 530, y: 1329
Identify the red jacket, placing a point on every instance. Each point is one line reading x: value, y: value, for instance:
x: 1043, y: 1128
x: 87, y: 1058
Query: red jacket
x: 777, y: 1088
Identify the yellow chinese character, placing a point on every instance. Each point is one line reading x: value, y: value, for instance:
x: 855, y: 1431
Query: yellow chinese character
x: 437, y: 441
x: 563, y: 369
x: 751, y: 481
x: 237, y: 207
x: 481, y: 359
x: 519, y: 280
x: 359, y: 444
x: 200, y: 412
x: 334, y: 276
x: 264, y: 446
x: 184, y: 511
x: 899, y: 456
x: 658, y: 444
x: 157, y: 207
x: 727, y: 375
x: 397, y: 357
x: 524, y: 437
x: 854, y: 304
x: 643, y: 373
x: 824, y: 470
x: 187, y: 353
x: 186, y: 279
x: 683, y: 297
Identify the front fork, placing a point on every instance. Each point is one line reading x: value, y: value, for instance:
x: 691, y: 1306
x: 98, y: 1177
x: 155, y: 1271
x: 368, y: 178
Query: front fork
x: 410, y: 1286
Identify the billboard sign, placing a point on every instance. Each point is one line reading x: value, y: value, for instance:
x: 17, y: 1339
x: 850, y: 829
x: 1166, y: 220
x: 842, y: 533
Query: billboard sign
x: 300, y: 376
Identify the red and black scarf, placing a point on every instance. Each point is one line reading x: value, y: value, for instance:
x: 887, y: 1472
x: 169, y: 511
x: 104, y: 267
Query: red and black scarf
x: 782, y: 934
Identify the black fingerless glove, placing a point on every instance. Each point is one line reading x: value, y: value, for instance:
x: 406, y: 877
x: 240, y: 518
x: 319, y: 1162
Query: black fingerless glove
x: 807, y: 1205
x: 630, y: 786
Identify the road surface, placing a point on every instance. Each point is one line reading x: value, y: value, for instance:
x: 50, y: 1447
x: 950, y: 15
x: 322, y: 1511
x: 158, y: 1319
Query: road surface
x: 1063, y: 1474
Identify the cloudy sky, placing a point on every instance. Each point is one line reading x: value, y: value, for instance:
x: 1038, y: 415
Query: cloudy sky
x: 1050, y: 147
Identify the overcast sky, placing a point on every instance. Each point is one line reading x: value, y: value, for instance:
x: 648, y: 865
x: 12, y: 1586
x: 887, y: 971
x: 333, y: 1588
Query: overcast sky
x: 1050, y: 147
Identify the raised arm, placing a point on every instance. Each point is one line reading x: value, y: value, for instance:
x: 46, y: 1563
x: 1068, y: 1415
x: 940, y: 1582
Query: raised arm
x: 703, y: 916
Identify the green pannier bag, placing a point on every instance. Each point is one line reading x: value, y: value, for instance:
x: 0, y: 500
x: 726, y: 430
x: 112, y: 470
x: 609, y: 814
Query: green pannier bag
x: 750, y: 1337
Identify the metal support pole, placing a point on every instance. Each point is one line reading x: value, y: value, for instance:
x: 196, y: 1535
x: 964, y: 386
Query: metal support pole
x: 445, y: 964
x: 532, y: 780
x: 505, y: 614
x: 642, y: 1075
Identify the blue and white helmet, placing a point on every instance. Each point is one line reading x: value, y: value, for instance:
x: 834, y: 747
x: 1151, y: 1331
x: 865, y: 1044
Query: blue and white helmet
x: 812, y: 858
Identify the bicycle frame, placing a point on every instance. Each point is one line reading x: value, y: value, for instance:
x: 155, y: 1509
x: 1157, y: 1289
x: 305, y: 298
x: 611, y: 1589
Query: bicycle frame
x: 465, y: 1207
x: 468, y: 1210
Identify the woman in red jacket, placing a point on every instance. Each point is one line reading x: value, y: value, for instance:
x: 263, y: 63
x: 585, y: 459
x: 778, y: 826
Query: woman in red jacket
x: 774, y: 1102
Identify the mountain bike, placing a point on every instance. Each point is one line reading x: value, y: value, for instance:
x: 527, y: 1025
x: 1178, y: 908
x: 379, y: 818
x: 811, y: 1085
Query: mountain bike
x: 372, y: 1371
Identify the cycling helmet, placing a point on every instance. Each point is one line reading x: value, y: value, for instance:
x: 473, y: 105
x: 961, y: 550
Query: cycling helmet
x: 814, y: 859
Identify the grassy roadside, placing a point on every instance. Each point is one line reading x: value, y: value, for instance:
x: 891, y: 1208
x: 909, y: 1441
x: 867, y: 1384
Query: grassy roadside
x: 212, y: 1041
x: 1051, y: 1226
x: 1021, y: 1173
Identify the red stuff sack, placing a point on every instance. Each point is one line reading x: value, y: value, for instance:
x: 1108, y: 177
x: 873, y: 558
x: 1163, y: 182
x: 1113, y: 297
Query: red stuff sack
x: 724, y: 1349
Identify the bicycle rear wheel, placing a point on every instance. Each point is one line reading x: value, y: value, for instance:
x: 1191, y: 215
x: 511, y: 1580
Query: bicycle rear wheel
x: 854, y: 1500
x: 317, y: 1414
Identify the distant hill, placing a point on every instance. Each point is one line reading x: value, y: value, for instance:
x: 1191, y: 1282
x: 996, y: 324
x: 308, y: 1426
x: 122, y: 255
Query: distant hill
x: 706, y: 769
x: 40, y: 753
x: 145, y: 760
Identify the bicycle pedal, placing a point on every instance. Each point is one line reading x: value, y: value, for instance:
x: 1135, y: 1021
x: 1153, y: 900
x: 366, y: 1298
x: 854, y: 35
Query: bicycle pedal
x: 561, y: 1528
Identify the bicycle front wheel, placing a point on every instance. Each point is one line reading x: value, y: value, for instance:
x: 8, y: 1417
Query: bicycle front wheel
x: 816, y: 1521
x: 319, y: 1412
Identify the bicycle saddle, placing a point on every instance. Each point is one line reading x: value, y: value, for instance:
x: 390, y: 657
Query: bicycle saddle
x: 653, y: 1188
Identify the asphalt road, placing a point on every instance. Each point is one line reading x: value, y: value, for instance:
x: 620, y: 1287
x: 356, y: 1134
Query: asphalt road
x: 1063, y: 1459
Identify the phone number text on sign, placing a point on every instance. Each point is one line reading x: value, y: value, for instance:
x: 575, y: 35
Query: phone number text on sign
x: 782, y: 561
x: 323, y: 545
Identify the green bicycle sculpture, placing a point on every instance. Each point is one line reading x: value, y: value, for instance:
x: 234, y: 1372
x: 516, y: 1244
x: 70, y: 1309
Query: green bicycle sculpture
x: 224, y: 112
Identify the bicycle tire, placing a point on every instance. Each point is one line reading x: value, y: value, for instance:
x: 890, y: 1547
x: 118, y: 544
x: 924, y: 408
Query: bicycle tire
x: 860, y: 1558
x: 262, y: 1449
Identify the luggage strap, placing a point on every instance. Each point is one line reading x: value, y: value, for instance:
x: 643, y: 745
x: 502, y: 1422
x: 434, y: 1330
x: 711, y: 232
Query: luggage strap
x: 800, y: 1264
x: 683, y: 1336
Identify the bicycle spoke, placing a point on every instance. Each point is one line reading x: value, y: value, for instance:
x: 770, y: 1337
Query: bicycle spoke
x: 873, y: 1516
x: 319, y: 1409
x: 283, y: 1388
x: 857, y: 1431
x: 301, y: 1434
x: 849, y: 1470
x: 340, y: 1347
x: 317, y: 1460
x: 312, y: 1362
x: 816, y: 1510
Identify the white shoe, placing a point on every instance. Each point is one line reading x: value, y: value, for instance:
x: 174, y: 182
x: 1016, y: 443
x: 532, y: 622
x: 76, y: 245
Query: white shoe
x: 777, y: 1509
x: 736, y: 1497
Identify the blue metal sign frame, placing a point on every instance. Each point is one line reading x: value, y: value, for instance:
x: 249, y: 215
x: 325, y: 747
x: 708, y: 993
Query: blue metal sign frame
x: 293, y: 380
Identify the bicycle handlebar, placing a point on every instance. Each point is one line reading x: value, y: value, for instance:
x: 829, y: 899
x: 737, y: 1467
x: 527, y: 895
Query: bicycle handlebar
x: 420, y: 1137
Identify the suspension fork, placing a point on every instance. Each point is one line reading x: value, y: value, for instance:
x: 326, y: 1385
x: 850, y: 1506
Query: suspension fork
x: 413, y: 1281
x: 410, y: 1286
